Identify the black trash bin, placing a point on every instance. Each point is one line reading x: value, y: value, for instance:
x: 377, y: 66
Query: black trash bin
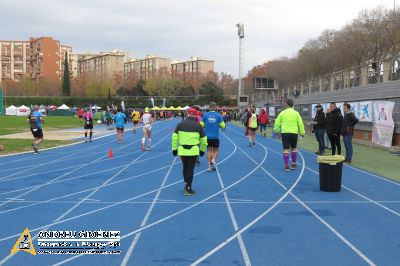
x: 330, y: 173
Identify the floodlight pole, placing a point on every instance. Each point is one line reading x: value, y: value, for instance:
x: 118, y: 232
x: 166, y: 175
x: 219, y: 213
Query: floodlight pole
x: 240, y: 27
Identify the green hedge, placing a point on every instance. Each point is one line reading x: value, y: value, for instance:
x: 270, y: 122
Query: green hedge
x: 140, y: 102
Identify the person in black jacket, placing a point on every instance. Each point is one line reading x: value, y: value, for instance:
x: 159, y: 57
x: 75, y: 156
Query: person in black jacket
x: 319, y: 129
x: 189, y: 141
x: 349, y: 121
x: 334, y: 120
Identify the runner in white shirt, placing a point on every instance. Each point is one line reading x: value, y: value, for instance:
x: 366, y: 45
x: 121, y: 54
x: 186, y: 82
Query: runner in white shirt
x: 147, y: 120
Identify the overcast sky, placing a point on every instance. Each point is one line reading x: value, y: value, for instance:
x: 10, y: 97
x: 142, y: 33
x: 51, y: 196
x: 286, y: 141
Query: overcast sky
x: 179, y: 29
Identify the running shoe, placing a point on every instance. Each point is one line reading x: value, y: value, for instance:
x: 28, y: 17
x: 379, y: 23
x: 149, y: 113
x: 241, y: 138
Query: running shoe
x: 197, y: 163
x: 287, y: 168
x: 209, y: 168
x: 254, y: 142
x: 213, y: 166
x: 293, y: 166
x: 250, y: 144
x: 142, y: 147
x: 86, y: 140
x: 35, y: 148
x: 90, y: 140
x: 188, y: 192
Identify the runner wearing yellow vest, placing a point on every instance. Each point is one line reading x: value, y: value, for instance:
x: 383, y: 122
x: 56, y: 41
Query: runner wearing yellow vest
x: 291, y: 125
x: 252, y: 125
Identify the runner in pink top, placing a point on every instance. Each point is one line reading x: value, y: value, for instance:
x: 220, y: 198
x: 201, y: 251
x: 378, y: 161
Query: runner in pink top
x: 88, y: 118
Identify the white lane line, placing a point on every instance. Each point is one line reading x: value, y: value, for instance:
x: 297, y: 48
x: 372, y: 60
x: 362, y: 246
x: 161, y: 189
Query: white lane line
x: 85, y: 175
x: 319, y: 218
x: 88, y: 199
x: 362, y: 171
x: 145, y: 219
x: 242, y: 246
x: 84, y: 199
x: 66, y: 145
x: 57, y: 178
x: 224, y: 243
x: 64, y: 158
x: 340, y: 236
x: 364, y: 197
x: 15, y: 199
x: 83, y: 191
x: 355, y: 192
x: 3, y: 179
x: 241, y: 200
x: 166, y: 200
x: 165, y: 218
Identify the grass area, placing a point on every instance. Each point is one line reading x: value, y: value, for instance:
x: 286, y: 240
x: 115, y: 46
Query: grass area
x: 17, y: 124
x: 21, y: 145
x: 372, y: 159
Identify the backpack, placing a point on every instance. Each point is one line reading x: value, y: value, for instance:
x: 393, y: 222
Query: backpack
x: 253, y: 121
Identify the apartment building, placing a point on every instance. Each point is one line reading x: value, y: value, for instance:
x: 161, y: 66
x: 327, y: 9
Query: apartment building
x: 194, y: 68
x: 104, y: 65
x: 38, y: 58
x: 144, y: 68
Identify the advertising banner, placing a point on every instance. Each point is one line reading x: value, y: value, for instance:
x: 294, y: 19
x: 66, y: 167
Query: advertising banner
x: 364, y: 111
x: 271, y: 111
x: 383, y: 126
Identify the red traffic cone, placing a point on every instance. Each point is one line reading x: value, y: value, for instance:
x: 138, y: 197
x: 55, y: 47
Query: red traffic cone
x: 110, y: 154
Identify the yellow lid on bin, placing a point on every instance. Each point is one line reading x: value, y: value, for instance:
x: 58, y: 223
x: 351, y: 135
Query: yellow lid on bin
x: 334, y: 159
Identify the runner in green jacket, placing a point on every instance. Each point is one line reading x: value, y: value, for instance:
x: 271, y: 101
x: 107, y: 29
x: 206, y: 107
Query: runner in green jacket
x: 291, y: 125
x: 185, y: 143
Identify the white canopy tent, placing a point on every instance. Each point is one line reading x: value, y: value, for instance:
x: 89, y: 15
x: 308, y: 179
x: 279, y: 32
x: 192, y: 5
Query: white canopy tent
x: 11, y: 110
x: 63, y: 107
x: 95, y: 107
x: 23, y: 110
x: 186, y: 107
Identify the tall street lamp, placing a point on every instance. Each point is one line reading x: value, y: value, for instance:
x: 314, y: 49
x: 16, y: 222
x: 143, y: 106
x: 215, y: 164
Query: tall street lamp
x: 240, y: 27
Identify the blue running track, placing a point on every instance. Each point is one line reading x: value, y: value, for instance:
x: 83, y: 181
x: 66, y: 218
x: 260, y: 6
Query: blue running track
x: 248, y: 212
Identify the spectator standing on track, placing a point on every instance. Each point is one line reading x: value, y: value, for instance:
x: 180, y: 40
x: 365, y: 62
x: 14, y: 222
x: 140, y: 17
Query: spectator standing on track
x: 147, y: 120
x: 319, y: 129
x: 291, y: 125
x: 263, y: 120
x: 35, y: 120
x: 334, y: 120
x: 349, y: 121
x: 88, y: 118
x: 212, y: 122
x: 252, y: 125
x: 189, y: 141
x: 120, y: 121
x: 135, y: 119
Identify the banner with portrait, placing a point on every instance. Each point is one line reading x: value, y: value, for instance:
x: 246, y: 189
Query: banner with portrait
x: 271, y: 111
x: 383, y: 126
x: 364, y: 111
x: 313, y: 110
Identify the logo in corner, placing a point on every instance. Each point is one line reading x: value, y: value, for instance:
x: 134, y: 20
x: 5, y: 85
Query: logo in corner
x: 24, y: 243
